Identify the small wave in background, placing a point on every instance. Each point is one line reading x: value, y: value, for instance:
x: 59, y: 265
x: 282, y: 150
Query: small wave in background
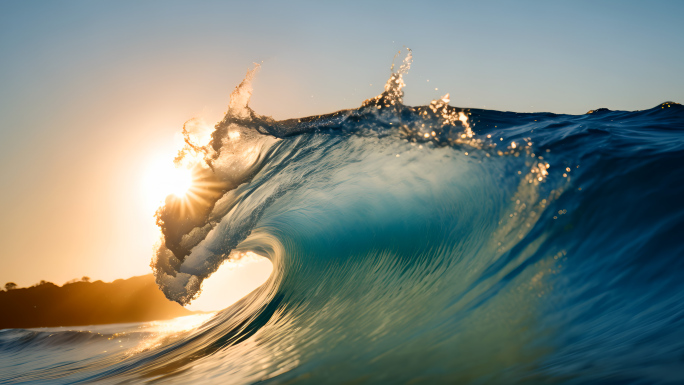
x: 428, y: 244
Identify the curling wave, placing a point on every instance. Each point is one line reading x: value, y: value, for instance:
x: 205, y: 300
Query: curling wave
x: 432, y: 244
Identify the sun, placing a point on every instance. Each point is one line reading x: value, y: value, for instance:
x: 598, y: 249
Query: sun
x: 179, y: 182
x: 162, y: 179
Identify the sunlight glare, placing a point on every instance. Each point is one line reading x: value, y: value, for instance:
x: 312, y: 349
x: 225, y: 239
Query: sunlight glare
x: 163, y: 179
x: 180, y: 182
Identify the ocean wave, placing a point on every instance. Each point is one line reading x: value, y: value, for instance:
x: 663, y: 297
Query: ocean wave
x: 433, y: 244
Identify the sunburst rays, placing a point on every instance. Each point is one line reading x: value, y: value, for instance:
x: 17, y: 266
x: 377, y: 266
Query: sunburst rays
x: 203, y: 190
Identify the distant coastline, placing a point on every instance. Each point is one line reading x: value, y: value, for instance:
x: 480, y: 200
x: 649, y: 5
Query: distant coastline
x: 135, y: 299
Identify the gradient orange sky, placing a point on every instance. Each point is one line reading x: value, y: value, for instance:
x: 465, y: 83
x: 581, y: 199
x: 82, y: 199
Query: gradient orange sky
x: 91, y: 93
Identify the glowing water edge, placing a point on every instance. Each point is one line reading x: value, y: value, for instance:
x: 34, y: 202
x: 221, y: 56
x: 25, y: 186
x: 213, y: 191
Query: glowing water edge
x: 428, y: 244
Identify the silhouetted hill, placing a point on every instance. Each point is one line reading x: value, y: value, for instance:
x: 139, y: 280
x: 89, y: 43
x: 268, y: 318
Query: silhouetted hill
x: 135, y: 299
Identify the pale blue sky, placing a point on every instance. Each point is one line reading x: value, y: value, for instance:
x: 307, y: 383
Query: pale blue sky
x: 90, y: 90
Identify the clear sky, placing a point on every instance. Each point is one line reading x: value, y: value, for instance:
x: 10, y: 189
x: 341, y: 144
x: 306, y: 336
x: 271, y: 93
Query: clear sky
x: 93, y: 92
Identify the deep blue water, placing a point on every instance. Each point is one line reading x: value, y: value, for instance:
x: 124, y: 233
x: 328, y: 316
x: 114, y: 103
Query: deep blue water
x: 429, y: 244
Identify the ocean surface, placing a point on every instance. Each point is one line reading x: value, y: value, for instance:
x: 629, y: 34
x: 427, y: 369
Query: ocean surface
x: 410, y: 245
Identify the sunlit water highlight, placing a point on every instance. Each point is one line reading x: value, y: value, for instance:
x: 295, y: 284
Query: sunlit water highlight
x: 428, y: 244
